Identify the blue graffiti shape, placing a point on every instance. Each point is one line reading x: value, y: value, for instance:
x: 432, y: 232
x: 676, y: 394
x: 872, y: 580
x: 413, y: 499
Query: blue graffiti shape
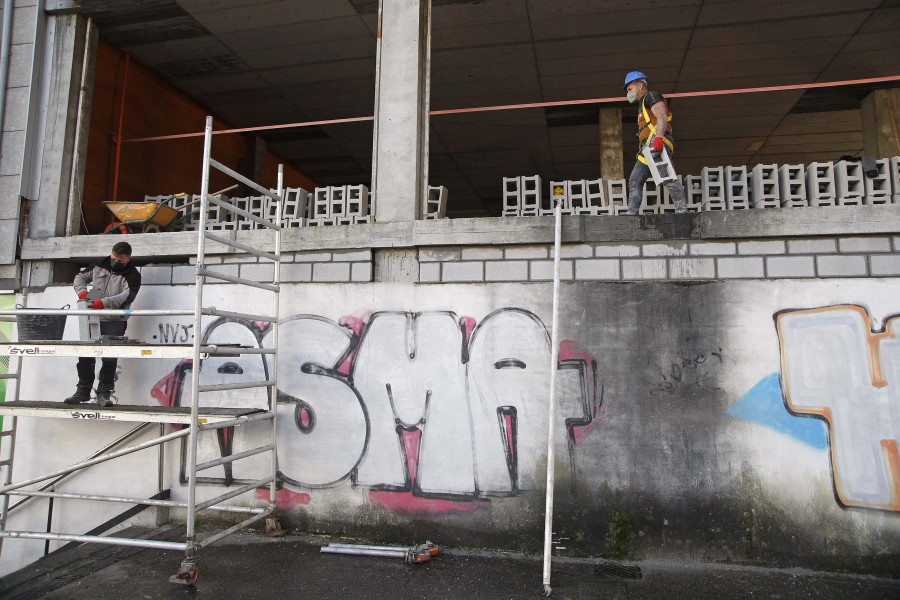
x: 764, y: 404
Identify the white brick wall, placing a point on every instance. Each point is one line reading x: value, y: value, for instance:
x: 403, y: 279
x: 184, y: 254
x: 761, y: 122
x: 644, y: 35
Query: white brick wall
x: 692, y: 268
x: 597, y: 269
x: 649, y: 268
x: 841, y: 266
x: 790, y: 266
x: 746, y: 267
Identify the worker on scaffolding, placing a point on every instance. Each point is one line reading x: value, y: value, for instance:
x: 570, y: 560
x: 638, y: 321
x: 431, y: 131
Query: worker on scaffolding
x: 115, y: 283
x: 653, y: 110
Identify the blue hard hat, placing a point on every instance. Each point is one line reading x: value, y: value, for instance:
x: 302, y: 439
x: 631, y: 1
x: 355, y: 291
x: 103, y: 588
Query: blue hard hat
x: 633, y: 76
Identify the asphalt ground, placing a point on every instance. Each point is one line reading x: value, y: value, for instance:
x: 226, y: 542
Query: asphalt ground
x: 249, y: 565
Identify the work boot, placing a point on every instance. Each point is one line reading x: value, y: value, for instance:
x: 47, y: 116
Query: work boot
x: 104, y: 397
x: 82, y: 394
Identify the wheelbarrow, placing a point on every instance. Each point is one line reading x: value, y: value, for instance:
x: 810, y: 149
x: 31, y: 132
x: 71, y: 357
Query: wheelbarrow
x: 150, y: 217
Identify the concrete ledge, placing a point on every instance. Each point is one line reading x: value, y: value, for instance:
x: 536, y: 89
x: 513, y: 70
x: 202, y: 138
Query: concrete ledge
x: 721, y: 225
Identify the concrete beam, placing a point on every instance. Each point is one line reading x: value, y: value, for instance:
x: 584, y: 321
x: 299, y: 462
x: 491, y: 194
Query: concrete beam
x: 400, y: 145
x: 880, y: 117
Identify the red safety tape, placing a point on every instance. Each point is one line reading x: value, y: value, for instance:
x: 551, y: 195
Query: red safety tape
x: 453, y: 111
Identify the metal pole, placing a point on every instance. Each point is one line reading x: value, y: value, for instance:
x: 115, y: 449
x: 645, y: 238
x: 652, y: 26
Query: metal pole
x: 198, y: 337
x: 276, y: 307
x: 551, y: 458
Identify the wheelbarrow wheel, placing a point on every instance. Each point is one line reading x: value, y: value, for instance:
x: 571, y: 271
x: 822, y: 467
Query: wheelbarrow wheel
x: 117, y: 227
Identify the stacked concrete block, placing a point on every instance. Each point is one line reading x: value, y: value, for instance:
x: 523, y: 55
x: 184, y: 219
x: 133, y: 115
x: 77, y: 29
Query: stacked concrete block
x: 792, y: 186
x: 578, y: 197
x: 320, y: 204
x: 820, y: 186
x: 337, y: 201
x: 878, y: 188
x: 849, y: 183
x: 652, y: 199
x: 713, y: 188
x: 737, y: 195
x: 531, y: 195
x: 559, y: 195
x: 221, y: 219
x: 436, y: 202
x: 596, y: 197
x: 617, y: 195
x: 357, y: 201
x: 693, y: 192
x: 764, y: 189
x: 512, y: 196
x: 294, y: 205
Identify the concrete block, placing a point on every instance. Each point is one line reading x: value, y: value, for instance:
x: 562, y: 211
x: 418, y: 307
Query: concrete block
x: 11, y: 152
x: 612, y: 250
x: 439, y: 254
x: 650, y: 268
x: 463, y: 271
x: 737, y: 195
x: 790, y: 266
x: 337, y: 201
x: 596, y: 196
x: 525, y: 252
x: 436, y: 202
x: 895, y: 176
x: 767, y: 247
x: 506, y: 270
x: 713, y: 188
x: 574, y: 251
x: 156, y: 275
x: 652, y: 199
x: 792, y: 186
x: 820, y: 186
x: 849, y: 183
x: 291, y: 272
x: 746, y: 267
x: 865, y: 244
x: 351, y: 255
x: 693, y: 192
x: 331, y: 272
x: 512, y: 196
x: 577, y: 190
x: 542, y: 270
x: 16, y: 108
x: 820, y: 246
x: 595, y: 268
x: 262, y: 272
x: 764, y: 189
x: 185, y: 275
x: 531, y: 195
x: 666, y: 249
x: 559, y: 194
x: 429, y: 272
x: 879, y: 188
x: 838, y: 265
x: 692, y: 268
x: 617, y: 195
x: 312, y: 257
x: 295, y: 206
x: 357, y: 204
x: 884, y: 265
x: 361, y: 272
x: 712, y: 248
x: 320, y: 204
x: 482, y: 253
x: 667, y: 204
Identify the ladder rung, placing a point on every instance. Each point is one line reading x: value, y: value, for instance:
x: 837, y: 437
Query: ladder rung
x: 224, y: 277
x: 236, y: 386
x: 7, y: 433
x: 5, y: 463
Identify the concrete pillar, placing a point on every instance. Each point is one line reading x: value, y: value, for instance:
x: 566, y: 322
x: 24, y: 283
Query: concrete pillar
x: 880, y: 122
x: 396, y: 265
x: 400, y: 141
x: 612, y: 157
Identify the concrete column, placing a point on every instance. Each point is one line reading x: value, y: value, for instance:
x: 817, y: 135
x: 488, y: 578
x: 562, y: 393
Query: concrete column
x: 612, y: 157
x: 400, y: 144
x: 396, y: 265
x: 880, y: 122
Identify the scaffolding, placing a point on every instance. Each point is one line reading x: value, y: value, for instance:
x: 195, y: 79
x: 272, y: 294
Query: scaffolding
x: 194, y: 418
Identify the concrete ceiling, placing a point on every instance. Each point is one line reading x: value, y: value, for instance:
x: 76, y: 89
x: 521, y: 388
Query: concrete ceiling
x: 265, y: 62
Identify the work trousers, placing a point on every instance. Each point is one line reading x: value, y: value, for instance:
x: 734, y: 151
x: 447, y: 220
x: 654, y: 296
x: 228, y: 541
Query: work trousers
x: 86, y: 364
x: 639, y: 175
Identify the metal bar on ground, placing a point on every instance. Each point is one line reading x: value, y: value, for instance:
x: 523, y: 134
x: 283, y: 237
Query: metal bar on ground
x: 245, y: 247
x: 248, y: 182
x: 233, y: 457
x: 240, y: 280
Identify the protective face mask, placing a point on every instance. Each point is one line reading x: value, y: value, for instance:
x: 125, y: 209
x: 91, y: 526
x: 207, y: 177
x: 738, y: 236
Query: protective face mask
x: 632, y: 97
x: 118, y: 267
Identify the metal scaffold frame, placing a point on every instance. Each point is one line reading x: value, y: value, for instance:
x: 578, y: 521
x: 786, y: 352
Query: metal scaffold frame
x: 196, y: 418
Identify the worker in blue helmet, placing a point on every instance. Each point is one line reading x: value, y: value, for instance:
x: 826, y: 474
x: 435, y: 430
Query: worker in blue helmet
x: 653, y: 110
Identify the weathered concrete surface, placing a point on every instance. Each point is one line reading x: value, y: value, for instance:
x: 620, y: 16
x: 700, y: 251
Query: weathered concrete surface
x: 252, y: 566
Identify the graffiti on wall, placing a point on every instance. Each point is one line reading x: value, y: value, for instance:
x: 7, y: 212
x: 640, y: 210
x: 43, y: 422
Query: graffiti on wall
x: 427, y: 411
x: 840, y: 380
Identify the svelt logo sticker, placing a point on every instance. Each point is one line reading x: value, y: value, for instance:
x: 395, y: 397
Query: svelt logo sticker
x: 16, y: 350
x: 77, y: 414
